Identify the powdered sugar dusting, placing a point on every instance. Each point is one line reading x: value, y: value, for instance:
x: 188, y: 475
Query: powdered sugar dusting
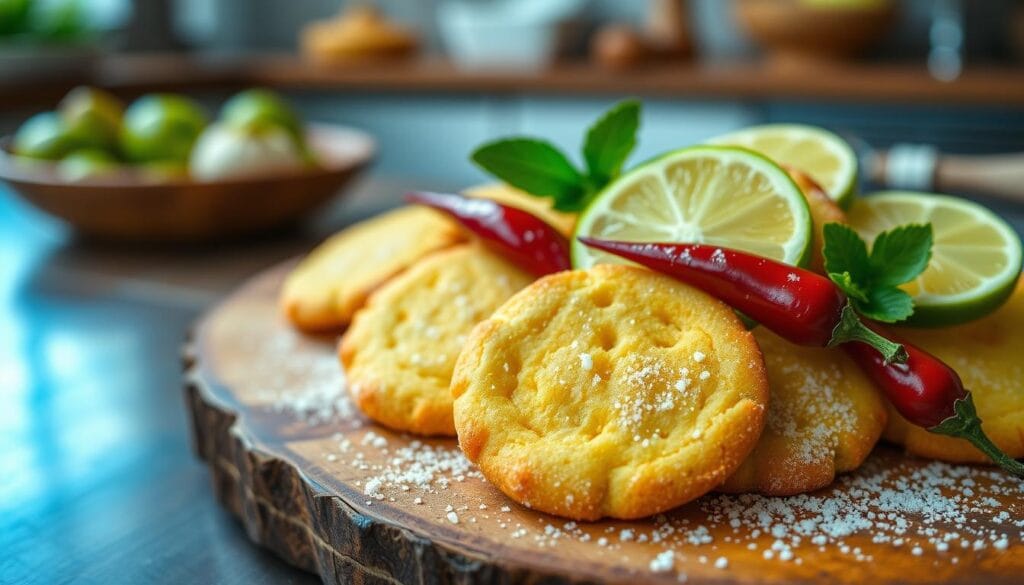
x: 417, y: 466
x: 310, y: 384
x: 924, y: 511
x: 921, y: 509
x: 815, y: 417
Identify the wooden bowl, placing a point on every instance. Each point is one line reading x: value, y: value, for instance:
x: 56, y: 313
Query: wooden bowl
x: 795, y: 33
x: 128, y: 207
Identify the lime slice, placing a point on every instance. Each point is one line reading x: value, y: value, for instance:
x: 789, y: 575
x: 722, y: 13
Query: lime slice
x: 724, y: 196
x: 827, y: 158
x: 976, y: 257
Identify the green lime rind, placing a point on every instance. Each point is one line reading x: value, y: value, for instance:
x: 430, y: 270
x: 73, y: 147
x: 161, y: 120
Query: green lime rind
x: 848, y: 194
x: 581, y: 255
x: 934, y: 316
x: 846, y: 189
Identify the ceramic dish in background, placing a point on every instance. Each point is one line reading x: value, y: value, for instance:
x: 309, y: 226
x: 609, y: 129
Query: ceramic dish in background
x: 801, y: 33
x: 128, y: 206
x: 520, y: 35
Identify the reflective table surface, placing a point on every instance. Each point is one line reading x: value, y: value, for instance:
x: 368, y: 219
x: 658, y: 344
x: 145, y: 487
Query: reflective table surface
x: 98, y: 481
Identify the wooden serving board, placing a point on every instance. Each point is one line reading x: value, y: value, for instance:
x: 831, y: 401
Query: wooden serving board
x: 339, y: 496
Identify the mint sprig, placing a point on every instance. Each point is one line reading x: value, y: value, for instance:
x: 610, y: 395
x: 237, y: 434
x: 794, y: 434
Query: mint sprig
x: 539, y: 168
x: 534, y: 166
x: 871, y: 280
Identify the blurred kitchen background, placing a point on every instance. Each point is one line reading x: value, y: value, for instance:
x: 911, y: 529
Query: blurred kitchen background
x: 96, y: 476
x: 432, y: 78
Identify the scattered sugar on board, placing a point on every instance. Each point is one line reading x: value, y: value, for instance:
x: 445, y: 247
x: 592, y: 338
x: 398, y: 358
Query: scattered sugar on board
x: 663, y: 562
x: 309, y: 385
x: 922, y: 511
x: 417, y: 466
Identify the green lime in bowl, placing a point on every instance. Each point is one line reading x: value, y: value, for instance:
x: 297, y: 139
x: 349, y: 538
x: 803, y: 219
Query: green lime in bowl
x: 87, y: 164
x: 44, y: 136
x: 256, y: 109
x: 161, y: 127
x: 93, y: 117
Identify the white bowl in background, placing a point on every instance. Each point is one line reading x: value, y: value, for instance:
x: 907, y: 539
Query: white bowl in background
x: 508, y: 34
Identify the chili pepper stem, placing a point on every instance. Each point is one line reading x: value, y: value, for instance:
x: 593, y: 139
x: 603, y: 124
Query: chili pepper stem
x: 851, y: 328
x: 965, y: 424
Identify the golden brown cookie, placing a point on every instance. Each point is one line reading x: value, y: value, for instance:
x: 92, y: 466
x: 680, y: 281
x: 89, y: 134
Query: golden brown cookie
x: 823, y: 210
x: 401, y: 348
x: 539, y: 206
x: 329, y: 285
x: 824, y: 417
x: 609, y: 392
x: 989, y: 356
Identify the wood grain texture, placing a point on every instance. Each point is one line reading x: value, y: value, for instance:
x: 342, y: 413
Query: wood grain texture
x: 299, y: 495
x: 133, y: 75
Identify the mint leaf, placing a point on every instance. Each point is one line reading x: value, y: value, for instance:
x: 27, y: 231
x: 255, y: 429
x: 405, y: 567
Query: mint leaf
x: 870, y: 280
x: 534, y: 166
x: 609, y: 142
x: 540, y: 169
x: 845, y: 282
x: 845, y: 252
x: 887, y: 304
x: 901, y: 254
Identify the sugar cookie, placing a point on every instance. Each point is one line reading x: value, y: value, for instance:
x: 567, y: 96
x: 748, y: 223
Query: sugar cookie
x: 328, y: 286
x: 609, y: 392
x: 824, y: 417
x: 401, y: 348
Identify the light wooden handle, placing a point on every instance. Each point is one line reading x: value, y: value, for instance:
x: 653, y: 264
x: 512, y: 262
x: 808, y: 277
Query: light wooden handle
x: 997, y: 175
x: 923, y: 168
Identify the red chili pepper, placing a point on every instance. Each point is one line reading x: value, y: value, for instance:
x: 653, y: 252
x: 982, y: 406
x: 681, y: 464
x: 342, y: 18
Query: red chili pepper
x: 797, y: 304
x: 519, y: 236
x: 928, y: 393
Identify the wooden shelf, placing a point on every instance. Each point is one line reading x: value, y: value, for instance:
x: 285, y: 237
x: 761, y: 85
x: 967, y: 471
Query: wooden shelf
x: 871, y: 83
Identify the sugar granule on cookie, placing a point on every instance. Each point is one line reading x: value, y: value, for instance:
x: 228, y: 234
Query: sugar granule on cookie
x: 824, y: 418
x: 627, y: 431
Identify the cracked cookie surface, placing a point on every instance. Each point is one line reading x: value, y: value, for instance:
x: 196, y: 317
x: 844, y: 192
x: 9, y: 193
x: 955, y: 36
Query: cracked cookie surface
x: 401, y: 348
x: 609, y: 392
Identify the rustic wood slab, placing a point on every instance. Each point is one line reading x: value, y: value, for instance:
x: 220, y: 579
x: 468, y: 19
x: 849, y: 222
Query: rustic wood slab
x: 339, y: 496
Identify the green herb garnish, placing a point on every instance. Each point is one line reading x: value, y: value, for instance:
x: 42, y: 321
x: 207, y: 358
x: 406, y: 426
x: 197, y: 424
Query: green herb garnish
x: 871, y: 281
x: 540, y: 169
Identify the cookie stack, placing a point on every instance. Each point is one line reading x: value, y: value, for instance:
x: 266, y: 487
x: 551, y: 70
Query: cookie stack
x: 608, y: 392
